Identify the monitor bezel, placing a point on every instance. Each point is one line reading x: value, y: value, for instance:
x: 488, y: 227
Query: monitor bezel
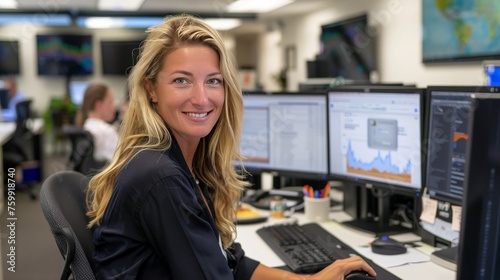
x: 368, y: 183
x: 479, y: 196
x: 299, y: 174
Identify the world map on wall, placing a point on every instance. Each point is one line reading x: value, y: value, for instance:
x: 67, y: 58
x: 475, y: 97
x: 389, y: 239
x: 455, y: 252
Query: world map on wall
x: 460, y: 29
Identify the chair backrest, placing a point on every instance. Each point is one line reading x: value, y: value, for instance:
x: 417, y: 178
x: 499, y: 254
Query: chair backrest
x: 81, y: 156
x: 22, y: 141
x: 62, y: 197
x: 23, y: 112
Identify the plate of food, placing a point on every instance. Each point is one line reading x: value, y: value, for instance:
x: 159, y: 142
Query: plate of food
x: 247, y: 214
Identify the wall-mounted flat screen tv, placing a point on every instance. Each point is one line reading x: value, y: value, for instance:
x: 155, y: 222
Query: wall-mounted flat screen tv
x: 64, y: 55
x: 347, y: 50
x: 118, y: 57
x: 9, y: 58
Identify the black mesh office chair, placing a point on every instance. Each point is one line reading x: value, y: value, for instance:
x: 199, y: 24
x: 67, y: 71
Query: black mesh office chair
x: 81, y: 156
x: 62, y: 198
x: 20, y: 149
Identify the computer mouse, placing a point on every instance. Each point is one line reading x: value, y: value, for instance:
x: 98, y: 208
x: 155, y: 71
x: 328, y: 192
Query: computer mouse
x: 359, y: 275
x: 385, y: 245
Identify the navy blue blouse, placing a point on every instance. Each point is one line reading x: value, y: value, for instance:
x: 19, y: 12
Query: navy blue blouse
x: 157, y: 226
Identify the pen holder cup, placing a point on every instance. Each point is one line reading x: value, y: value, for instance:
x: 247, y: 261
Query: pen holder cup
x: 317, y: 209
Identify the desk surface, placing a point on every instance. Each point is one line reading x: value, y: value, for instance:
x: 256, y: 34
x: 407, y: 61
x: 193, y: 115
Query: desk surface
x: 7, y: 128
x: 257, y: 249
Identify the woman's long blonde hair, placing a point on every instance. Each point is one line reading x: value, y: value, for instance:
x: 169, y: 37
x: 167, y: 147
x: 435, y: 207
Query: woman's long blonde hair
x: 143, y: 128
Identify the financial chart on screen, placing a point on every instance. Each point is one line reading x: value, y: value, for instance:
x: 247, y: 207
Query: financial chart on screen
x: 376, y: 137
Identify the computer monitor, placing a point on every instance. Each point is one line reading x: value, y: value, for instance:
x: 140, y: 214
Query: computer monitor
x: 447, y: 121
x: 285, y: 133
x: 9, y: 58
x: 479, y: 246
x: 77, y: 91
x: 64, y: 54
x: 375, y: 138
x: 448, y: 132
x: 118, y: 57
x: 491, y: 70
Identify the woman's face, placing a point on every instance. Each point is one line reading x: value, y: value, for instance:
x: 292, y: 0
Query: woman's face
x: 189, y: 92
x: 106, y: 107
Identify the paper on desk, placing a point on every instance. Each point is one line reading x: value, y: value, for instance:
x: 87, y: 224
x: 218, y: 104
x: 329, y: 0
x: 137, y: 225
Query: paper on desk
x: 411, y: 256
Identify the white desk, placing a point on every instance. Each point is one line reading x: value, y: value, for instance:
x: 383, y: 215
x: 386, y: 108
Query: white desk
x: 257, y: 249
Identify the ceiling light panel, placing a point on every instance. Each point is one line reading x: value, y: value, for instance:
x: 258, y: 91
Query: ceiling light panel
x: 8, y: 4
x: 119, y: 5
x: 256, y: 6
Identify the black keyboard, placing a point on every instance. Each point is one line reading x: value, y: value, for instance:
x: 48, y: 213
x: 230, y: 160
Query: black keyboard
x: 309, y: 248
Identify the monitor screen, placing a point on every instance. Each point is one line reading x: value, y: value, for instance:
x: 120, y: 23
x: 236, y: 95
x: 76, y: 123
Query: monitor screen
x: 9, y: 58
x: 447, y: 120
x: 286, y: 133
x: 375, y: 137
x: 346, y: 50
x: 77, y: 91
x: 492, y: 73
x: 118, y: 57
x: 479, y: 246
x: 64, y: 55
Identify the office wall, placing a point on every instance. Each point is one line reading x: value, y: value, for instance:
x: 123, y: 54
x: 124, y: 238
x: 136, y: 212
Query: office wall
x: 270, y: 60
x: 398, y: 38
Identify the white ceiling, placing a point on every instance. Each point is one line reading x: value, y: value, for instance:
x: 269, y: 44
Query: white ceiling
x: 214, y: 8
x: 252, y: 23
x: 190, y: 6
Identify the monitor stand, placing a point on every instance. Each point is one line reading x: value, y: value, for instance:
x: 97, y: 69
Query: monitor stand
x: 376, y: 226
x: 446, y: 258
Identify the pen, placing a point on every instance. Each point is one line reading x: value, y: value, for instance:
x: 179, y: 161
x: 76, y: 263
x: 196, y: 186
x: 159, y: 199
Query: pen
x: 307, y: 191
x: 322, y: 193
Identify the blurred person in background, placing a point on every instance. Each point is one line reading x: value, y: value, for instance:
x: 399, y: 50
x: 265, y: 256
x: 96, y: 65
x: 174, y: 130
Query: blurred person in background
x: 98, y: 112
x: 15, y: 96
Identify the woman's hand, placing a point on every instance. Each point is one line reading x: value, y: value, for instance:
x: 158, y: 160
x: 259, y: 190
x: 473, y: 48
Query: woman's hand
x: 340, y: 268
x: 336, y: 271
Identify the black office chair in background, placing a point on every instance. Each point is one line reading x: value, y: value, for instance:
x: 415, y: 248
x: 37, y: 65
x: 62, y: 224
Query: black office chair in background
x: 81, y: 155
x: 62, y: 198
x: 19, y: 151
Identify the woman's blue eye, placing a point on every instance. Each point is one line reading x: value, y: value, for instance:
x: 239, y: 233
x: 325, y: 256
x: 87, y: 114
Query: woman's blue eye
x: 214, y: 81
x: 180, y: 81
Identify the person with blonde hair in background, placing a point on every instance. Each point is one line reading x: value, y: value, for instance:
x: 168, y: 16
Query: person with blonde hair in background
x: 164, y: 208
x: 98, y: 111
